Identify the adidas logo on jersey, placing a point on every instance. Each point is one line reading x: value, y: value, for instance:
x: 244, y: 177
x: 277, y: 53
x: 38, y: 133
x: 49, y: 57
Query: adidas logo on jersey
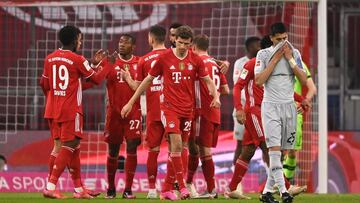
x: 172, y: 68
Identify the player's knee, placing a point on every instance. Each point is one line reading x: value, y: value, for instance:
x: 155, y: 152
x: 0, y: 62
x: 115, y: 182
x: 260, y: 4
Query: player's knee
x: 205, y: 151
x: 72, y: 143
x: 131, y: 146
x: 113, y: 150
x: 155, y: 149
x: 193, y: 148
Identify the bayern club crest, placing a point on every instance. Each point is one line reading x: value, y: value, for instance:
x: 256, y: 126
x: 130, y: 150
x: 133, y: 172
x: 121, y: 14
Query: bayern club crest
x: 171, y: 124
x: 190, y: 67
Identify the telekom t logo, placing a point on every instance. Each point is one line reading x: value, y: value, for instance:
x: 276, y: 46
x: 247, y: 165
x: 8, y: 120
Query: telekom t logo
x: 176, y: 76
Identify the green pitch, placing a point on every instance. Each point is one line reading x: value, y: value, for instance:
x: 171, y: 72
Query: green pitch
x: 312, y: 198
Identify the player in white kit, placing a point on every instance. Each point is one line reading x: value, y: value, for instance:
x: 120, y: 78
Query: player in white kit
x: 276, y: 68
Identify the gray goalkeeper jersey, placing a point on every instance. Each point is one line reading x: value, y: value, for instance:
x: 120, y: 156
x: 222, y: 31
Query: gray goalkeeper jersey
x: 279, y: 87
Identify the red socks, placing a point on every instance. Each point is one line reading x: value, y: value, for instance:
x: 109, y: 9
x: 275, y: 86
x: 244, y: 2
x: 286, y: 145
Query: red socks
x: 208, y: 168
x: 52, y: 158
x: 111, y: 167
x: 74, y: 168
x: 61, y: 161
x: 152, y: 167
x: 184, y: 157
x: 241, y: 167
x: 192, y: 166
x: 178, y: 168
x: 170, y: 176
x: 130, y: 168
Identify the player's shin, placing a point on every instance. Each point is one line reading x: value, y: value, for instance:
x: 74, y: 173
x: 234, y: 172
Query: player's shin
x: 151, y: 166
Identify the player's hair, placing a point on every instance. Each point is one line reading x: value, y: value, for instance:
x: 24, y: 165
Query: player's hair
x: 277, y: 28
x: 185, y: 32
x: 251, y: 40
x: 133, y: 39
x: 68, y: 34
x: 266, y: 42
x: 3, y: 158
x: 201, y: 42
x: 158, y: 32
x: 175, y: 25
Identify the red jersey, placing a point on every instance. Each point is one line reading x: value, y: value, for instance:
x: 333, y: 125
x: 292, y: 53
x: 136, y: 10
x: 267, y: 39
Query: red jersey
x: 64, y: 70
x: 119, y: 92
x: 253, y: 93
x: 204, y: 101
x: 153, y: 92
x: 179, y: 76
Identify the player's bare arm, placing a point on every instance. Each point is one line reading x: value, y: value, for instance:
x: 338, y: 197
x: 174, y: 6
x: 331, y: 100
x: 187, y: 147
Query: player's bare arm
x: 213, y: 92
x: 130, y: 81
x: 240, y: 116
x: 262, y: 77
x: 299, y: 73
x: 224, y: 90
x: 142, y: 87
x: 311, y: 89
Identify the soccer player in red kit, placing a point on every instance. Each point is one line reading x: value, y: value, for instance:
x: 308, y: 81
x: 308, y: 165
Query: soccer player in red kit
x: 206, y: 128
x: 179, y: 68
x: 120, y: 86
x: 154, y: 128
x: 61, y: 81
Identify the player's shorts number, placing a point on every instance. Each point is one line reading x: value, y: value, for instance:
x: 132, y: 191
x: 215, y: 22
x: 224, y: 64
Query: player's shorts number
x: 216, y: 77
x: 63, y: 75
x: 134, y: 124
x: 187, y: 125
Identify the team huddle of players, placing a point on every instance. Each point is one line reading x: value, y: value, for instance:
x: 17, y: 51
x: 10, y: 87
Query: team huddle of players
x: 183, y: 85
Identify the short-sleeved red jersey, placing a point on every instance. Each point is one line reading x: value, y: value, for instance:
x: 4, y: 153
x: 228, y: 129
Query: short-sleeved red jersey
x: 153, y: 92
x: 119, y: 92
x: 64, y: 70
x: 179, y: 76
x: 211, y: 114
x: 253, y: 93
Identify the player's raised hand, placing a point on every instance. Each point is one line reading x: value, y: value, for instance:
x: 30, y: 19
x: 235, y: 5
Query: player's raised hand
x: 98, y: 56
x: 112, y: 58
x: 288, y: 52
x: 224, y: 65
x: 126, y: 110
x: 277, y: 56
x: 241, y: 116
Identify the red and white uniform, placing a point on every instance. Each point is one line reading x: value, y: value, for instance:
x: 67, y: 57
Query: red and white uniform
x: 254, y: 133
x: 207, y: 125
x: 177, y: 101
x: 154, y: 128
x: 119, y: 93
x: 64, y: 69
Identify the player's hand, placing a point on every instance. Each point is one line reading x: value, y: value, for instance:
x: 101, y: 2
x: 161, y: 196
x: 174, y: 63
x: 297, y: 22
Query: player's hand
x: 241, y: 116
x: 125, y: 74
x: 215, y: 103
x: 306, y: 104
x: 277, y: 56
x: 126, y: 110
x: 98, y: 56
x: 288, y: 52
x: 112, y: 58
x: 224, y: 67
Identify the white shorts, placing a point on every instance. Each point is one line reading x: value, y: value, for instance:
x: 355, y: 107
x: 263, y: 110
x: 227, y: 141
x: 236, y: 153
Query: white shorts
x: 279, y: 122
x: 238, y: 128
